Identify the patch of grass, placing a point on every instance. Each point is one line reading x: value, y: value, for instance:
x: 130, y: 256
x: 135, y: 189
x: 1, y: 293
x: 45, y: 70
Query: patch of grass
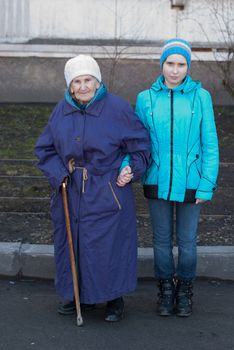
x: 23, y: 169
x: 18, y: 187
x: 20, y: 127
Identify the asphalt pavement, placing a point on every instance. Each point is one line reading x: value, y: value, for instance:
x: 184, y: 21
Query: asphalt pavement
x: 29, y: 320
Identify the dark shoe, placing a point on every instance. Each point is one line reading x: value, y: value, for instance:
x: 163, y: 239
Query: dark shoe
x: 87, y: 307
x: 70, y: 308
x: 166, y: 295
x: 184, y: 298
x: 114, y: 310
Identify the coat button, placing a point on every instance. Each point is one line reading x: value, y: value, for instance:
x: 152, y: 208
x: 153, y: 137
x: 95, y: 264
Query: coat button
x: 197, y: 156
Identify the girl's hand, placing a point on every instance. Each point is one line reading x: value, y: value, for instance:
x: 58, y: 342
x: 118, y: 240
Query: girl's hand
x: 125, y: 176
x: 200, y: 201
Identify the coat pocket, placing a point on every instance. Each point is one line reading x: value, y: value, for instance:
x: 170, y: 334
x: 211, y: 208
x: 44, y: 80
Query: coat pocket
x: 56, y: 208
x: 101, y: 199
x: 115, y: 196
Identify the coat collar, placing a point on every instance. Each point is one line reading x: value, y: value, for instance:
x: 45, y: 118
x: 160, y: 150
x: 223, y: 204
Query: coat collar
x: 94, y: 109
x: 86, y: 109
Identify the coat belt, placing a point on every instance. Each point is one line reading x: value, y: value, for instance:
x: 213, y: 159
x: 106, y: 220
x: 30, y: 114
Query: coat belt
x: 84, y: 176
x: 72, y: 166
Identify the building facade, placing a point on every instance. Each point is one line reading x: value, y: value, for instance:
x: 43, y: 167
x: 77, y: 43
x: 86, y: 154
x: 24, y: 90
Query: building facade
x: 125, y: 36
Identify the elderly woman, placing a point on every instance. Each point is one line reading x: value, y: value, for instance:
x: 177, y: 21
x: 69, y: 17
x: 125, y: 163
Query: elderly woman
x: 85, y: 143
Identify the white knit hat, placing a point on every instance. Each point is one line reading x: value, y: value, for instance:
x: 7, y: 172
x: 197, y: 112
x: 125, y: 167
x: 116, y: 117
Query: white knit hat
x: 81, y: 65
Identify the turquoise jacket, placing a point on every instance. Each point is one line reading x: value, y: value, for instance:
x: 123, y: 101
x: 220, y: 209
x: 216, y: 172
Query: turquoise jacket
x: 184, y: 145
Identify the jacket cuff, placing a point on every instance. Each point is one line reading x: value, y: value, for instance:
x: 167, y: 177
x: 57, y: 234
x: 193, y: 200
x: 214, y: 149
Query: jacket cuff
x: 204, y: 195
x: 125, y: 162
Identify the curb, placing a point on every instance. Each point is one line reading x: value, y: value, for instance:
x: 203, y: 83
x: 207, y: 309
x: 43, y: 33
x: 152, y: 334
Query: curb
x: 37, y: 261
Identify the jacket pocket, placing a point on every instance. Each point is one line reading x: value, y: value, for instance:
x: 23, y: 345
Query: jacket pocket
x: 194, y: 172
x: 151, y: 175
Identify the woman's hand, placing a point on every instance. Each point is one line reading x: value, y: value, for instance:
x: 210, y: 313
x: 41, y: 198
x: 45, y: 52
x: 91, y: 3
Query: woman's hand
x: 200, y: 201
x: 65, y: 180
x: 71, y: 165
x: 125, y: 176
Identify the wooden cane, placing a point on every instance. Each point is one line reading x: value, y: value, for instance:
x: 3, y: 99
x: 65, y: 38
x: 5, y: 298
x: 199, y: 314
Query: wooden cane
x: 72, y: 256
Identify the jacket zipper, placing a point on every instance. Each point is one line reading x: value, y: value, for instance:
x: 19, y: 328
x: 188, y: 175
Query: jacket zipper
x: 171, y: 164
x: 114, y: 195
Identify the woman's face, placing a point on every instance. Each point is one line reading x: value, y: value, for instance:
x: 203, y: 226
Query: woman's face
x: 175, y: 69
x: 83, y: 88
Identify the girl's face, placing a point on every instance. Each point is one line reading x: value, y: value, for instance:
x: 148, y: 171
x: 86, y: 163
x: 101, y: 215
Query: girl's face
x: 175, y: 69
x: 83, y: 88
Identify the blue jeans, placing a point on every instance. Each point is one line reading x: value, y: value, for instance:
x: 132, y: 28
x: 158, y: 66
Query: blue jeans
x: 187, y: 217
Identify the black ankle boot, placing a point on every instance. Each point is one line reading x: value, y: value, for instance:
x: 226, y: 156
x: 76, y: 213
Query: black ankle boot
x: 184, y: 298
x: 114, y: 310
x: 69, y: 308
x: 165, y: 304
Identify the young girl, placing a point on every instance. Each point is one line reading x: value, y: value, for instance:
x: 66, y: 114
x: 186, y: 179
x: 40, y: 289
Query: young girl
x: 179, y: 116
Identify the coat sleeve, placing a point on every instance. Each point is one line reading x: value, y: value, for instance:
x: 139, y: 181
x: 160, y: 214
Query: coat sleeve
x: 135, y: 142
x: 50, y: 162
x: 210, y: 152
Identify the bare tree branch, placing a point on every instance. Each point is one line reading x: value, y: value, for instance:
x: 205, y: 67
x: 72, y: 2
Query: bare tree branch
x: 222, y: 15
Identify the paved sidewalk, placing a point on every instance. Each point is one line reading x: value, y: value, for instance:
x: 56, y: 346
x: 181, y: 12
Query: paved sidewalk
x: 37, y: 261
x: 29, y: 320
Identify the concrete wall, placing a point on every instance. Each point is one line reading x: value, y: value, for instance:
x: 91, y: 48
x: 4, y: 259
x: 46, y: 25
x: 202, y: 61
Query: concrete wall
x: 28, y: 79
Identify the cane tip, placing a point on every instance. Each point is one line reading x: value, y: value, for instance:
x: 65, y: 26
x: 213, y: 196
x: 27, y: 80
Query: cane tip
x: 79, y: 321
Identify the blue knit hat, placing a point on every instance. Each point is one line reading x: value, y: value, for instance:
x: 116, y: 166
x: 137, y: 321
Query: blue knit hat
x: 176, y: 46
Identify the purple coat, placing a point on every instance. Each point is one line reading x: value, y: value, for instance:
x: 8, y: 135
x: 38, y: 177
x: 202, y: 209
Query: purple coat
x: 103, y: 218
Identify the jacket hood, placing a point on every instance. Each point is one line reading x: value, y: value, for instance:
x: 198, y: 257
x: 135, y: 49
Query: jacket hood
x: 187, y: 85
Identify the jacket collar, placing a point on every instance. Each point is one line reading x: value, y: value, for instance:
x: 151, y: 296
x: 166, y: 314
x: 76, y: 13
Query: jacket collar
x: 187, y: 85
